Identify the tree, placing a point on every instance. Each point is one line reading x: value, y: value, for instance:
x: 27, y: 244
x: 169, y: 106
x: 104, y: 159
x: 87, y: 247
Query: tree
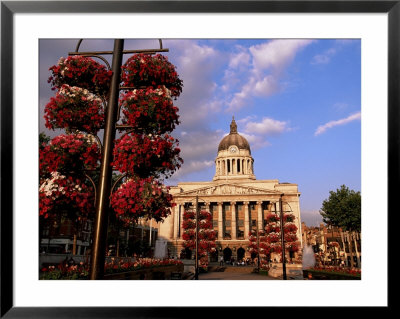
x: 343, y: 209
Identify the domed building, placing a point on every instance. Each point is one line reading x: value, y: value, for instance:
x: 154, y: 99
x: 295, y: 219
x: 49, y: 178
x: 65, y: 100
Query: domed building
x: 238, y: 201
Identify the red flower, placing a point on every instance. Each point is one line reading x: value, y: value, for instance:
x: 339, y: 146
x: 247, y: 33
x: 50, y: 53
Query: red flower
x: 151, y: 70
x: 144, y: 156
x: 149, y: 110
x: 141, y: 198
x: 69, y: 153
x: 75, y: 109
x: 83, y: 72
x: 65, y: 194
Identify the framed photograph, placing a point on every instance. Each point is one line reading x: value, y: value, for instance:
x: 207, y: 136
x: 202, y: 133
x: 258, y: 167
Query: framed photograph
x: 30, y: 30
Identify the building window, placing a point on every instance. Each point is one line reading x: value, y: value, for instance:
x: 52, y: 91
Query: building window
x: 254, y: 223
x: 228, y: 223
x: 215, y: 223
x: 240, y: 222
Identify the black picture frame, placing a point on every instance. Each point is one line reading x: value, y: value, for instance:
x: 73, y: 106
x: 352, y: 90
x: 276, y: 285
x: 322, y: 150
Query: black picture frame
x: 9, y: 8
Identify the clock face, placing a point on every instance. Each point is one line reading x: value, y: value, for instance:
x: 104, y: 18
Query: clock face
x: 232, y: 149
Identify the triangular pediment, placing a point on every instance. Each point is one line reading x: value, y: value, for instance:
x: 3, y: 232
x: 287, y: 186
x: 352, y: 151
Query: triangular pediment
x: 228, y: 189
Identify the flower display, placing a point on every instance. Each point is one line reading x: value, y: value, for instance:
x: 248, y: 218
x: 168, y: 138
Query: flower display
x: 144, y: 155
x: 151, y: 70
x: 74, y: 108
x: 65, y: 194
x: 69, y: 153
x: 338, y: 270
x: 270, y: 242
x: 141, y: 198
x: 261, y: 248
x: 206, y: 234
x: 83, y: 72
x: 80, y: 271
x: 149, y: 110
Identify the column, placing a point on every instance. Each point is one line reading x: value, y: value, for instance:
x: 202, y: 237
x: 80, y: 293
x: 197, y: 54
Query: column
x: 260, y: 220
x: 180, y: 214
x: 233, y: 226
x: 176, y: 221
x: 246, y: 220
x: 220, y: 223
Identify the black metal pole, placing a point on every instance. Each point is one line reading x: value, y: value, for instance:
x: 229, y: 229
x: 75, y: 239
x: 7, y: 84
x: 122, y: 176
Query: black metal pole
x: 258, y: 252
x: 196, y: 267
x: 282, y: 240
x: 104, y: 186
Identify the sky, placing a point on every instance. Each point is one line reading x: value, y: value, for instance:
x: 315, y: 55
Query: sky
x: 296, y: 101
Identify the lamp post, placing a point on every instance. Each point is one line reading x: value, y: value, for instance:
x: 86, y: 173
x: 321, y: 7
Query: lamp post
x: 103, y: 190
x: 282, y: 240
x: 258, y: 252
x: 283, y: 235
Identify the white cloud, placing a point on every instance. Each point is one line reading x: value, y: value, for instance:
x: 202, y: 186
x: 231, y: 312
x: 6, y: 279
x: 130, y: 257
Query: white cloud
x: 276, y: 54
x: 196, y: 65
x: 325, y: 57
x: 268, y: 61
x: 267, y: 126
x: 191, y: 167
x: 239, y: 59
x: 322, y: 128
x: 256, y: 141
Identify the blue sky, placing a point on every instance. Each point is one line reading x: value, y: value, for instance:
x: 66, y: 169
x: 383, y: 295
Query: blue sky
x: 297, y: 101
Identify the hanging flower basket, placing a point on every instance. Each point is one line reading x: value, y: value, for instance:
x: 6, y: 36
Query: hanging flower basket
x: 206, y: 234
x: 141, y: 198
x: 143, y: 155
x: 74, y: 108
x: 272, y: 218
x: 151, y: 70
x: 273, y: 237
x: 150, y: 110
x: 69, y: 153
x: 290, y: 228
x: 65, y: 194
x: 83, y: 72
x: 288, y: 218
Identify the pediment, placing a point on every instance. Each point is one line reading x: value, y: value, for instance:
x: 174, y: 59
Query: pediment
x: 228, y: 189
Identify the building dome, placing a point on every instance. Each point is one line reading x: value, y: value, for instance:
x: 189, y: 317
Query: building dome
x: 234, y: 139
x: 234, y: 159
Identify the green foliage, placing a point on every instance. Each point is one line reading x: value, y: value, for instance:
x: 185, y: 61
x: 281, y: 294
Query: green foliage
x: 343, y: 209
x: 43, y: 140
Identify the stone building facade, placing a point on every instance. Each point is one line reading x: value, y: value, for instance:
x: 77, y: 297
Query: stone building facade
x: 238, y: 201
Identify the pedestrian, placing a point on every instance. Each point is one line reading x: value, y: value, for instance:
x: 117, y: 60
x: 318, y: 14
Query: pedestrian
x: 221, y: 261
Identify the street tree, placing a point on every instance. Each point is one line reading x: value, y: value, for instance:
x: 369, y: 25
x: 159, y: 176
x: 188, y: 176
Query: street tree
x: 343, y: 209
